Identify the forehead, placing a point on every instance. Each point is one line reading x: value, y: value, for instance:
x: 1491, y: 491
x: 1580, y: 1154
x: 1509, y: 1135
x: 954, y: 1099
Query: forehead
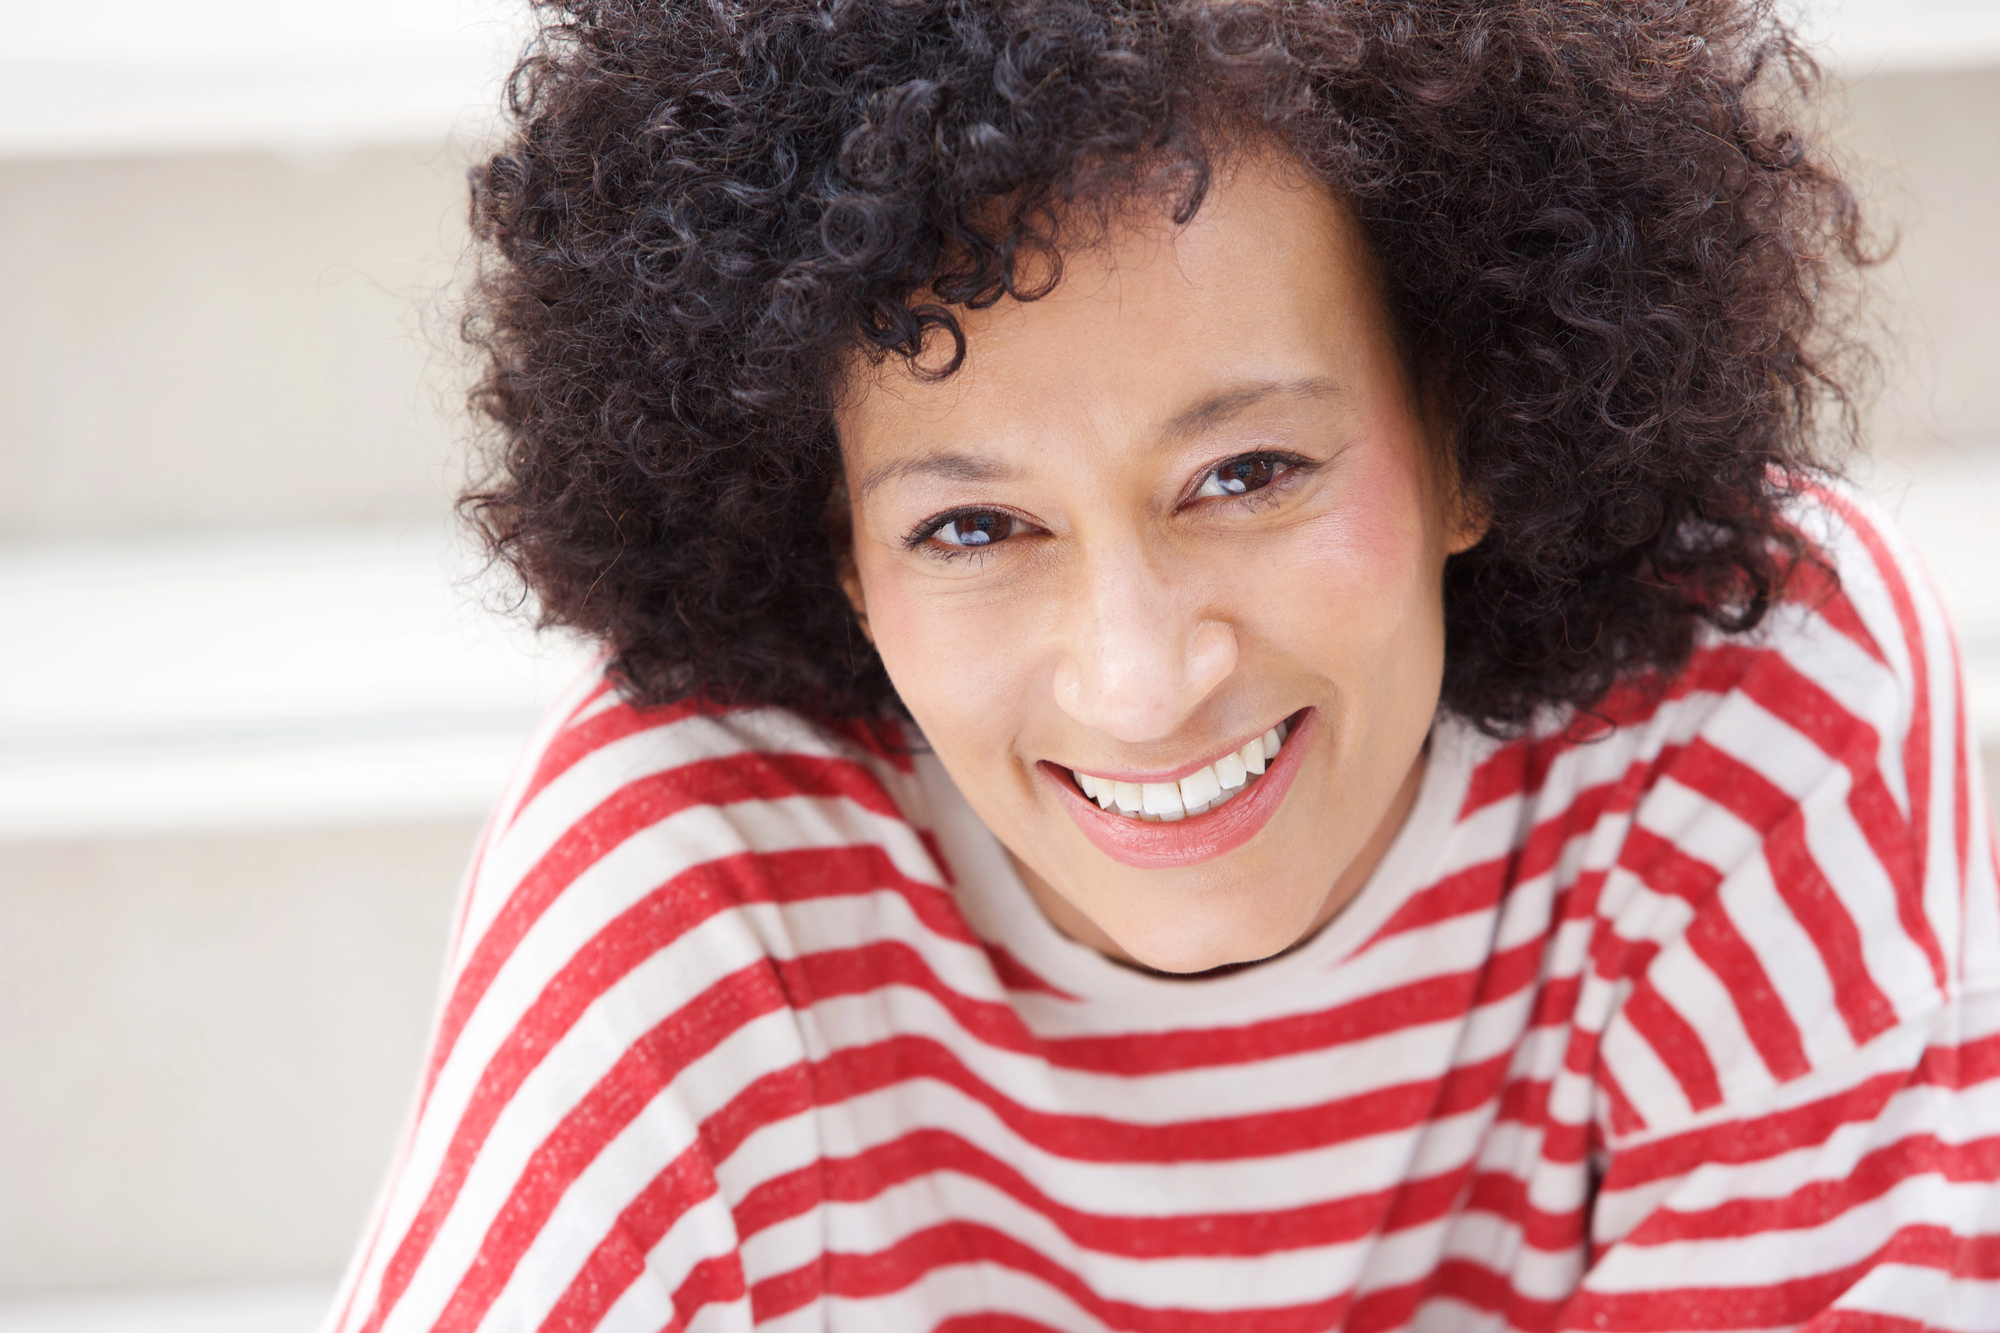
x: 1271, y: 284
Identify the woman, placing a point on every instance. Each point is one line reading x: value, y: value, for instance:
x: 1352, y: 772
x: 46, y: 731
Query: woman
x: 1235, y: 695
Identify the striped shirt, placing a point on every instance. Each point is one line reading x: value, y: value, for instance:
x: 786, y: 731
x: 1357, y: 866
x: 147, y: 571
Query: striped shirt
x: 1687, y: 1018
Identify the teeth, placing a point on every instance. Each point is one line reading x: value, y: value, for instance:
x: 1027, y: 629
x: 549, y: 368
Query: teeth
x: 1199, y: 788
x: 1163, y: 800
x: 1198, y: 792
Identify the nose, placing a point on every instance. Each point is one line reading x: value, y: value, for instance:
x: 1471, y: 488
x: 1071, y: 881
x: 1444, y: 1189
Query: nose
x: 1137, y: 661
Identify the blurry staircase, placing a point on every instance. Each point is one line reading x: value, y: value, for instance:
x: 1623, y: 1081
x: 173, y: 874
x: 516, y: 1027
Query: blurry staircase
x: 253, y: 699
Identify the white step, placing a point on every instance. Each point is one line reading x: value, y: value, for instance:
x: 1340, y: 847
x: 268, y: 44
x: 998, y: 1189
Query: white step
x: 292, y: 678
x: 140, y: 76
x: 264, y: 1308
x: 125, y: 76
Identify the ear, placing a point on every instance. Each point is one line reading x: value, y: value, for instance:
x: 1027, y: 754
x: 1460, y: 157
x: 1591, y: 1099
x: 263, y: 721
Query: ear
x: 838, y: 522
x: 850, y: 583
x: 1467, y: 516
x: 1467, y: 522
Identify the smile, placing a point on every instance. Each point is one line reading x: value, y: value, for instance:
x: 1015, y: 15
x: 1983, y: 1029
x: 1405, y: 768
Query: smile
x: 1153, y: 823
x: 1203, y: 790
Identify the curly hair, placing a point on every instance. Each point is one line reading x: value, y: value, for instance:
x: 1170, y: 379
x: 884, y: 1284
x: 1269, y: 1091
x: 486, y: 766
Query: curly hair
x: 1607, y: 238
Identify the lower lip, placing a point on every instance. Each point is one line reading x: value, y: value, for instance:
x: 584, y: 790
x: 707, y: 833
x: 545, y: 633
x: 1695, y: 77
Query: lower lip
x: 1202, y: 837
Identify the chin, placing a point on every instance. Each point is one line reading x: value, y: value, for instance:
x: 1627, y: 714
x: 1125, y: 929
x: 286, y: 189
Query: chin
x: 1203, y: 946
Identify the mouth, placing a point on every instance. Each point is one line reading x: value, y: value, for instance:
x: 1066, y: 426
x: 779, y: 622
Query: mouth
x: 1196, y: 793
x: 1155, y: 821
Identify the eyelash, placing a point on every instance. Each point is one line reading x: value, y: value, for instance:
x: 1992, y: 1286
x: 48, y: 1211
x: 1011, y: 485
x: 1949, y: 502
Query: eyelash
x: 1294, y: 467
x: 919, y: 537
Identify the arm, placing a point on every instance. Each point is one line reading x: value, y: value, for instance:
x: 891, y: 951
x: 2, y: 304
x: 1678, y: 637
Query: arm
x: 1800, y: 1124
x: 616, y: 1023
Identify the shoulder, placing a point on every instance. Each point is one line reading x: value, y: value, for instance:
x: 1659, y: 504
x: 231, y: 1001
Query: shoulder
x: 618, y: 1009
x: 1781, y: 853
x: 606, y: 782
x: 654, y: 865
x: 1853, y: 671
x: 1856, y: 632
x: 595, y: 743
x: 1844, y: 697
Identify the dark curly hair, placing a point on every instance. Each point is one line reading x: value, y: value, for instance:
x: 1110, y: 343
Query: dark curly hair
x: 1606, y: 238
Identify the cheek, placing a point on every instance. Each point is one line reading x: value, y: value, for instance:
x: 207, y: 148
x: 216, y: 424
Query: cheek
x: 1370, y: 568
x: 953, y: 658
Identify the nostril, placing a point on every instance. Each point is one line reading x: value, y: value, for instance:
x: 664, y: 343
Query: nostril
x: 1211, y: 654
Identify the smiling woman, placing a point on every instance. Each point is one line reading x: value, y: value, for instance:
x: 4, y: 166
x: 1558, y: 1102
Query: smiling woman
x: 1236, y: 695
x: 1195, y: 491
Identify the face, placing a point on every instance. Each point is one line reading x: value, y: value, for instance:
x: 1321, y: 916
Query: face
x: 1185, y: 507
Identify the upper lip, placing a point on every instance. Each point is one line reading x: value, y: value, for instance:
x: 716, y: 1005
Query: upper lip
x: 1169, y: 774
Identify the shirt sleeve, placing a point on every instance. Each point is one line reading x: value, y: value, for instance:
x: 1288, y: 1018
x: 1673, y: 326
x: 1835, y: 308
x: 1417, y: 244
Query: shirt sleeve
x: 1797, y: 1119
x: 615, y: 1019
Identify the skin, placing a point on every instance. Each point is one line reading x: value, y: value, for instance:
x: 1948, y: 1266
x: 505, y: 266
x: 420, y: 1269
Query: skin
x: 1122, y: 620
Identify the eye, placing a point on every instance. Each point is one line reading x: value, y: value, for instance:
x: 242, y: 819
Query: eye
x: 1240, y: 476
x: 978, y: 527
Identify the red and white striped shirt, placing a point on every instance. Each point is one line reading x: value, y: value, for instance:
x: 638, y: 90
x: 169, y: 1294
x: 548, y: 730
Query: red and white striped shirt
x: 1693, y: 1025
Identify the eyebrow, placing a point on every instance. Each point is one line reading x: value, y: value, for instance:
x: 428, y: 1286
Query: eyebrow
x: 1203, y: 416
x: 1217, y: 408
x: 950, y: 466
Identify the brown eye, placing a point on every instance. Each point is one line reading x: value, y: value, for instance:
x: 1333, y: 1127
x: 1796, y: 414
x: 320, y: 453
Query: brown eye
x: 1240, y: 476
x: 982, y: 527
